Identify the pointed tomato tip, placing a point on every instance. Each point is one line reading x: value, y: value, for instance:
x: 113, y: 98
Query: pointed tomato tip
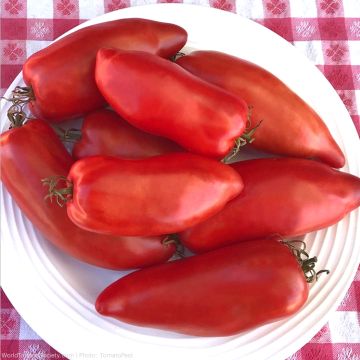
x: 333, y: 156
x: 339, y: 164
x: 111, y: 302
x: 100, y: 306
x: 340, y: 161
x: 336, y: 163
x: 174, y: 39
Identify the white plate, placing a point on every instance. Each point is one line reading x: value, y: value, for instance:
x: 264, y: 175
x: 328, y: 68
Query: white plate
x: 55, y: 294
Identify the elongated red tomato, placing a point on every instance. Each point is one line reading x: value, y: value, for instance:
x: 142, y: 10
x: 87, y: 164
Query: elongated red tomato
x: 161, y: 98
x: 104, y: 132
x: 285, y: 196
x: 158, y: 195
x: 32, y: 152
x: 61, y: 76
x: 289, y: 126
x: 220, y: 293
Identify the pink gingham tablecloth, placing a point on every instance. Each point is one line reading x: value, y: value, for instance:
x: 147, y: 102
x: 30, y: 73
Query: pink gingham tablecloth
x: 327, y: 31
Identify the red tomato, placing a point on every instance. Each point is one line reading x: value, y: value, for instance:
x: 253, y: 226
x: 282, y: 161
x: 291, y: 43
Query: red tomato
x: 158, y: 195
x: 105, y: 133
x: 220, y: 293
x: 289, y: 126
x: 286, y: 197
x: 161, y: 98
x: 33, y: 152
x: 61, y: 76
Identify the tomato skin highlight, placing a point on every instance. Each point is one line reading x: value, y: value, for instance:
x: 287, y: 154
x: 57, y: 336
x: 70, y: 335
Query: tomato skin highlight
x: 62, y: 75
x: 33, y: 152
x: 105, y: 133
x: 159, y: 97
x: 289, y: 126
x: 220, y: 293
x: 168, y: 192
x: 282, y: 196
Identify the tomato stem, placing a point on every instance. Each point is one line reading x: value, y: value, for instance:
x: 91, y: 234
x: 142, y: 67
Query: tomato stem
x: 20, y: 96
x: 178, y: 55
x: 307, y: 264
x: 68, y: 135
x: 246, y: 138
x: 62, y: 195
x: 174, y: 239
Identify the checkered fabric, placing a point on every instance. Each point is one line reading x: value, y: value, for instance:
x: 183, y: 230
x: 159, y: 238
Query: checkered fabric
x: 326, y: 31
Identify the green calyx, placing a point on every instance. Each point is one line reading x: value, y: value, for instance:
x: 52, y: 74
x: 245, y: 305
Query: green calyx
x: 62, y: 195
x: 20, y: 97
x: 306, y: 262
x: 246, y: 138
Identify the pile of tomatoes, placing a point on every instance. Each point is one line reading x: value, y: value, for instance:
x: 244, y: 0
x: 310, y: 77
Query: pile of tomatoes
x: 154, y: 168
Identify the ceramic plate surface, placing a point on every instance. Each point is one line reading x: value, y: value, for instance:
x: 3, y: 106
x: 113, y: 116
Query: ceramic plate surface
x: 55, y: 293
